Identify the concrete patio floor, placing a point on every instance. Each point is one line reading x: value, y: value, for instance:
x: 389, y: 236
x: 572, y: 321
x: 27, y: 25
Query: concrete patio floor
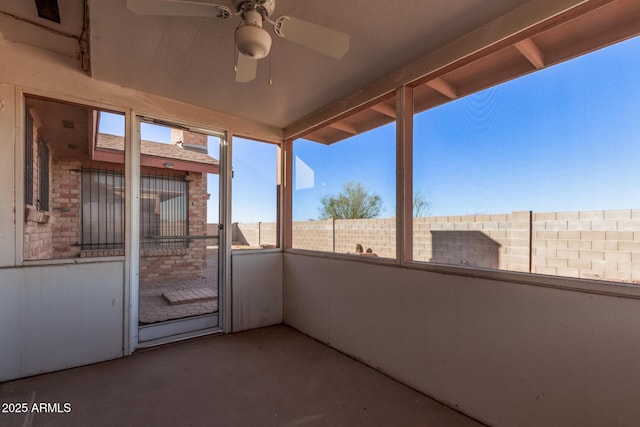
x: 273, y: 376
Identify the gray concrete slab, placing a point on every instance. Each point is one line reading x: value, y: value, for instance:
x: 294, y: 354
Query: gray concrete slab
x: 274, y: 376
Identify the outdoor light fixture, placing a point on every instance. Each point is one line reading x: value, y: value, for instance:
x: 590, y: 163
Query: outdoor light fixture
x: 168, y: 165
x: 253, y: 40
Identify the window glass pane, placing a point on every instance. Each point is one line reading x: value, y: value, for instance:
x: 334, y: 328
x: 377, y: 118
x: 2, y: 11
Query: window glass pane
x: 70, y: 213
x: 539, y: 174
x: 344, y: 191
x: 254, y: 194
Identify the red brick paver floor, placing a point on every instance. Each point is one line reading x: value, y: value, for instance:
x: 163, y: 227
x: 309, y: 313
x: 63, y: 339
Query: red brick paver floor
x: 155, y: 308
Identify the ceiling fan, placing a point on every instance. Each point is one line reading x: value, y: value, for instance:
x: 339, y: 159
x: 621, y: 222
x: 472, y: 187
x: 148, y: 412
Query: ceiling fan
x: 252, y: 41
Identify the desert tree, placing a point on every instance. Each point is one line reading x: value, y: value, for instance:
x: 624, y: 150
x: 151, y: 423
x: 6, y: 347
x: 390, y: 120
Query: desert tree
x: 421, y: 207
x: 353, y: 202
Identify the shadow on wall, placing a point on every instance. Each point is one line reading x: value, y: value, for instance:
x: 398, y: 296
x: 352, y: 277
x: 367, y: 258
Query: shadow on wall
x: 467, y: 248
x: 238, y: 236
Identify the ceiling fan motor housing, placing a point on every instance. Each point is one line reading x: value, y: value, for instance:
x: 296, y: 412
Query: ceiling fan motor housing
x: 251, y: 39
x: 265, y: 7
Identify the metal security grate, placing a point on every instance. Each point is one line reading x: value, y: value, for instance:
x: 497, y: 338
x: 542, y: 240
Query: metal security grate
x: 163, y: 210
x: 28, y: 159
x: 102, y: 209
x: 43, y: 176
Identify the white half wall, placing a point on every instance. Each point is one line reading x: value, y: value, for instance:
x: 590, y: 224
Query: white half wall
x: 59, y: 316
x: 256, y: 289
x: 505, y: 353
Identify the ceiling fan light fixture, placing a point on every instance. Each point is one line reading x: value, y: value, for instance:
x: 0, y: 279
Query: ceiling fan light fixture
x: 253, y: 41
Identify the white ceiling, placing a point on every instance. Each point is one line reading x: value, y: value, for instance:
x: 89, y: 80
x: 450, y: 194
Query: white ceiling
x: 191, y: 59
x: 12, y: 27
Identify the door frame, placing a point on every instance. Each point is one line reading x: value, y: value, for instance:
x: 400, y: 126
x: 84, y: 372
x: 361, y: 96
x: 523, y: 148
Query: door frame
x: 184, y: 328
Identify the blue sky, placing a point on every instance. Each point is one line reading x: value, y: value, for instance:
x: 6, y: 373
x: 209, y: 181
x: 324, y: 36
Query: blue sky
x: 254, y: 165
x: 561, y: 139
x: 367, y: 158
x: 564, y: 138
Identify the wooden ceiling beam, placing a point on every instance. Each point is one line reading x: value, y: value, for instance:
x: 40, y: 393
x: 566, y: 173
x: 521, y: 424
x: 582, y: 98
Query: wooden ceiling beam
x: 530, y: 50
x: 444, y: 87
x: 345, y: 127
x: 316, y: 138
x: 385, y: 109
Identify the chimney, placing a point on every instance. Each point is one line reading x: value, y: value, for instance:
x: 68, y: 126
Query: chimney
x: 189, y: 140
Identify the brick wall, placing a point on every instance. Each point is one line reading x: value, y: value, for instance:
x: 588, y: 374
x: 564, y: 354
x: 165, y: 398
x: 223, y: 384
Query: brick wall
x: 179, y: 136
x: 169, y: 264
x: 37, y: 236
x: 56, y: 234
x: 37, y: 224
x: 66, y: 207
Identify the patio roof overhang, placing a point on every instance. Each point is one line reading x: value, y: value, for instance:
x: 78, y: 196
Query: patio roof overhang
x: 114, y: 156
x: 585, y: 28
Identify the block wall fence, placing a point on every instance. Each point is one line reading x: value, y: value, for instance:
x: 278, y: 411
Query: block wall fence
x: 600, y: 244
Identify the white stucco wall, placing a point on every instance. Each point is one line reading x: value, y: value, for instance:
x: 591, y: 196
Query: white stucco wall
x: 256, y: 289
x: 505, y: 353
x: 59, y: 316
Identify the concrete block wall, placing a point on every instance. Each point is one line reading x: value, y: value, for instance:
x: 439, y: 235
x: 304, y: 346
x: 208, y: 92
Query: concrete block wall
x: 603, y: 244
x: 499, y: 241
x: 255, y: 234
x: 246, y: 234
x: 588, y: 244
x: 378, y: 234
x: 268, y: 234
x: 342, y: 235
x: 314, y: 235
x: 518, y: 250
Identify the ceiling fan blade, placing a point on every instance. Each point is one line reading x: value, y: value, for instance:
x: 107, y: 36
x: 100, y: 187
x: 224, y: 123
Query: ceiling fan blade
x: 321, y: 39
x: 246, y: 68
x: 178, y: 8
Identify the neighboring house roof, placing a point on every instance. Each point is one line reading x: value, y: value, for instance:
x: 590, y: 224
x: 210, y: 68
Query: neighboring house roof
x: 155, y: 154
x: 169, y: 151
